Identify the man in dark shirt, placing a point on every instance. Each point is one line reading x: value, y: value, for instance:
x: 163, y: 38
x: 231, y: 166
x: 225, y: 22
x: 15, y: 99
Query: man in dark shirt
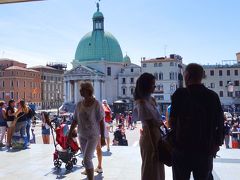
x: 196, y: 120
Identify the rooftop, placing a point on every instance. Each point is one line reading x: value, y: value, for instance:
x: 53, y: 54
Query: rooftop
x: 20, y: 68
x: 42, y: 67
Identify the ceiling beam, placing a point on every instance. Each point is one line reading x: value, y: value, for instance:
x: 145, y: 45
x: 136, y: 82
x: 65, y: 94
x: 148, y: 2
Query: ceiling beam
x: 15, y: 1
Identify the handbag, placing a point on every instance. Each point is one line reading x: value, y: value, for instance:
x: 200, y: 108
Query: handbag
x: 165, y: 148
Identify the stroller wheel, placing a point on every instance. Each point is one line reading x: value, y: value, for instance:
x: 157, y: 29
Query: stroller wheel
x: 57, y: 163
x: 74, y: 161
x: 69, y: 166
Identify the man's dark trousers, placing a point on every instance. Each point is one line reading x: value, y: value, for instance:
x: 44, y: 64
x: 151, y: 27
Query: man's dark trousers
x: 186, y: 162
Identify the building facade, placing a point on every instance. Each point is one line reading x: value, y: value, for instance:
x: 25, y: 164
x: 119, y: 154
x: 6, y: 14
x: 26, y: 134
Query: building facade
x: 224, y: 79
x: 99, y: 60
x: 168, y: 72
x: 51, y: 84
x: 127, y: 81
x: 19, y: 82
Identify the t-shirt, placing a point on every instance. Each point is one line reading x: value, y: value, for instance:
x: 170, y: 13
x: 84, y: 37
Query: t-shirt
x: 88, y: 119
x: 2, y: 120
x: 107, y: 111
x: 146, y: 110
x: 10, y: 118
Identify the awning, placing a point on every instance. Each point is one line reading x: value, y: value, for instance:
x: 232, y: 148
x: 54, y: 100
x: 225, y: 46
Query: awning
x: 16, y: 1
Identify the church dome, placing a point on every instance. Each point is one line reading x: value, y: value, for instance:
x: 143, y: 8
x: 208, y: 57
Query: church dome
x: 127, y: 59
x: 98, y: 44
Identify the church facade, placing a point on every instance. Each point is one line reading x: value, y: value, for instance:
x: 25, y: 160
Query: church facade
x: 99, y: 60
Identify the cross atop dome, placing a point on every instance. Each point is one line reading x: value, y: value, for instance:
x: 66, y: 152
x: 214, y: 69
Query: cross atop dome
x: 98, y: 5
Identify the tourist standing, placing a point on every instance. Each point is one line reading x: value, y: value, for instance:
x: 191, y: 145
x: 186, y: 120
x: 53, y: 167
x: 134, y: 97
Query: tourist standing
x: 3, y: 123
x: 227, y: 130
x: 46, y: 124
x: 147, y: 113
x: 10, y: 114
x: 21, y: 120
x: 89, y: 116
x: 108, y: 121
x: 196, y: 120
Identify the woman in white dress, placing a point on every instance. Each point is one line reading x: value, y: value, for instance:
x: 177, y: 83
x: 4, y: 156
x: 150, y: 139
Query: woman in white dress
x: 89, y: 117
x: 146, y: 111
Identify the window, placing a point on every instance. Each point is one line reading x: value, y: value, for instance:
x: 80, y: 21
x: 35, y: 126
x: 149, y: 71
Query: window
x: 171, y: 75
x: 159, y: 97
x: 204, y: 74
x: 155, y: 65
x: 3, y: 95
x: 160, y: 64
x: 109, y: 71
x: 131, y: 69
x: 144, y: 65
x: 3, y: 84
x: 171, y: 63
x: 236, y: 83
x: 156, y: 76
x: 220, y: 72
x: 230, y: 94
x: 237, y: 94
x: 132, y: 91
x: 220, y: 83
x: 12, y: 83
x: 172, y: 88
x: 160, y: 88
x: 123, y: 80
x: 24, y: 84
x: 160, y: 76
x: 124, y: 91
x: 212, y: 85
x: 236, y: 72
x: 17, y: 85
x: 211, y: 72
x: 132, y: 81
x: 221, y: 93
x: 17, y: 96
x: 228, y: 73
x: 11, y: 95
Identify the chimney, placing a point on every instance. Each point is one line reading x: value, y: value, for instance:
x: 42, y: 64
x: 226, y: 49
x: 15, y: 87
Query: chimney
x: 238, y: 57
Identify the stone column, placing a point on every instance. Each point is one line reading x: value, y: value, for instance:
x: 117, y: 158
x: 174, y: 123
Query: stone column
x: 76, y: 92
x: 97, y: 90
x: 65, y: 91
x: 71, y: 91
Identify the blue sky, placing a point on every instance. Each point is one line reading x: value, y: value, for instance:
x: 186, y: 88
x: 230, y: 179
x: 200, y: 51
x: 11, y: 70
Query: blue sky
x: 205, y: 31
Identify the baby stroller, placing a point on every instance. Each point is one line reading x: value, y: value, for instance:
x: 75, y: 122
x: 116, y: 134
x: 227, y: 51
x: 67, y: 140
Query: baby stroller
x: 64, y: 151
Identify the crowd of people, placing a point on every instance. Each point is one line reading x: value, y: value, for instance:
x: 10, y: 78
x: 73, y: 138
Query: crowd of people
x: 232, y: 131
x: 195, y: 120
x: 15, y: 119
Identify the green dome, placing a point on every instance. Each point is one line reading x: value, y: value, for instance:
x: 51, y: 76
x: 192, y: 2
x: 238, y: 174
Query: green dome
x: 99, y: 45
x: 97, y: 15
x: 127, y: 59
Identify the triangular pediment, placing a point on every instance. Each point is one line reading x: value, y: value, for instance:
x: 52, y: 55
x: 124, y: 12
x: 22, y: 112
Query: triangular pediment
x: 83, y: 71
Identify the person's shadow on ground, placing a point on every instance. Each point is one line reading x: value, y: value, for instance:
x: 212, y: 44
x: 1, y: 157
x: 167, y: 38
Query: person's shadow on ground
x: 62, y: 173
x: 97, y: 177
x: 106, y: 153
